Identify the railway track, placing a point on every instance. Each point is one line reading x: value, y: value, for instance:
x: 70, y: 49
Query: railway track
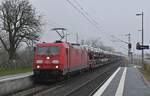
x: 30, y: 91
x: 81, y: 85
x: 37, y: 89
x: 87, y: 88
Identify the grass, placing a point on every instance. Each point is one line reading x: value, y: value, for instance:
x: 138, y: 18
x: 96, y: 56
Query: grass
x: 146, y: 72
x: 146, y: 75
x: 4, y: 72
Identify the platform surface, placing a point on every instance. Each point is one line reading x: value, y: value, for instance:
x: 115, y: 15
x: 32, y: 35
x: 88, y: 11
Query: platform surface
x: 125, y: 81
x: 16, y: 76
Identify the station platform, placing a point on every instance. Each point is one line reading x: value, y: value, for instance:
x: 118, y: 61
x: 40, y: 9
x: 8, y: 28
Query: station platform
x: 125, y: 81
x: 16, y: 76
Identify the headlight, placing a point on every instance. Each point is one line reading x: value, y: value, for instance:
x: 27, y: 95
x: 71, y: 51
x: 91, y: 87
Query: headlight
x: 55, y: 61
x: 39, y: 61
x: 56, y: 67
x: 37, y: 66
x: 47, y: 57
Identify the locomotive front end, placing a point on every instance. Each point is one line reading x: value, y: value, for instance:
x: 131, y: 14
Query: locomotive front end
x: 47, y: 61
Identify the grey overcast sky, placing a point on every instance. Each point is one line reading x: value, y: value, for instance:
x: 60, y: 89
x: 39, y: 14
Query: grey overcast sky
x: 115, y: 17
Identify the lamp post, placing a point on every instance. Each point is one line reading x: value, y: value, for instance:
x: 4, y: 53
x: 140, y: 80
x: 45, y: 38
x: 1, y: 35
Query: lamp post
x: 141, y: 14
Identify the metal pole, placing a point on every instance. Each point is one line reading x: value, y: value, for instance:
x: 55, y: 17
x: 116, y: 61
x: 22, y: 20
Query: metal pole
x: 129, y: 49
x: 77, y: 37
x: 129, y: 40
x: 66, y: 36
x: 142, y: 38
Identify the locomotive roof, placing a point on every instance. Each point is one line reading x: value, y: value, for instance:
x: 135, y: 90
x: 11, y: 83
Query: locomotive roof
x: 60, y: 43
x: 53, y: 44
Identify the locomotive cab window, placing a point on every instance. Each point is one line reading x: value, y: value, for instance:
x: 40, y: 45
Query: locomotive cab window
x: 52, y: 50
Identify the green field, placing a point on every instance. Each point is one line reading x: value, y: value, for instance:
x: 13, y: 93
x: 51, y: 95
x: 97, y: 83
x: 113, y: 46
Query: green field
x: 4, y: 72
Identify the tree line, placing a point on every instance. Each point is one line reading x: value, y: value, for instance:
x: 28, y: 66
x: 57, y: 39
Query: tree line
x: 20, y: 24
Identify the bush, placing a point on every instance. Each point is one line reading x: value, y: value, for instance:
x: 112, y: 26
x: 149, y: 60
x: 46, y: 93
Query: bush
x: 24, y: 59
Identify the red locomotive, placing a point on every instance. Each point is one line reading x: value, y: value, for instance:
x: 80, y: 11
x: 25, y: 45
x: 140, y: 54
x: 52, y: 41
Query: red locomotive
x: 58, y: 59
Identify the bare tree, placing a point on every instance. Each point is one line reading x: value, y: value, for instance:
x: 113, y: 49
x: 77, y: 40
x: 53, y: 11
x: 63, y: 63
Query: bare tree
x: 97, y: 44
x: 19, y: 23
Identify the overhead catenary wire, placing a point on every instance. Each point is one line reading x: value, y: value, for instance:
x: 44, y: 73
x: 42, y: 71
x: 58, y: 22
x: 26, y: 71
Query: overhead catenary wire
x: 119, y: 40
x: 84, y: 15
x: 96, y: 23
x: 88, y: 17
x: 92, y: 19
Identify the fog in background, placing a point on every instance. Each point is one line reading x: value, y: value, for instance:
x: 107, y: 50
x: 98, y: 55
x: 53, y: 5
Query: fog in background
x: 114, y: 17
